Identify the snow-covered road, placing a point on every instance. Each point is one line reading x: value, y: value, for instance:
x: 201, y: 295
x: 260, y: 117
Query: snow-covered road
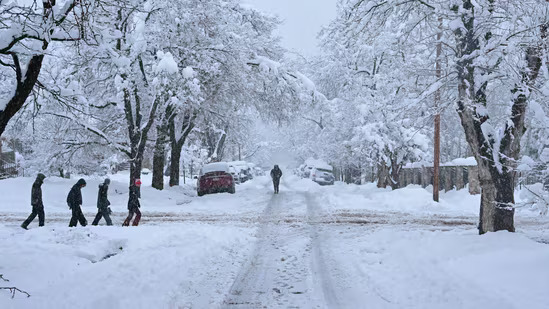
x: 308, y: 247
x: 287, y: 267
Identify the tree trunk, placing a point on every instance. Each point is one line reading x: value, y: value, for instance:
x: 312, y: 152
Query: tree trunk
x: 159, y: 156
x: 177, y: 143
x: 175, y: 164
x: 135, y: 169
x: 395, y: 174
x: 158, y: 165
x: 495, y: 159
x: 22, y: 90
x: 382, y: 175
x: 497, y: 204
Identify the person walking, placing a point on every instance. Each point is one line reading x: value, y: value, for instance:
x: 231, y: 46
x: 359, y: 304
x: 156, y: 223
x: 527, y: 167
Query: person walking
x: 103, y: 209
x: 36, y: 202
x: 133, y: 204
x: 74, y: 200
x: 276, y: 173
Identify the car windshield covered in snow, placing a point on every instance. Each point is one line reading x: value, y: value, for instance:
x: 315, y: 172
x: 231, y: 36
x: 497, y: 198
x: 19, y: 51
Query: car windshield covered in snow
x: 215, y: 167
x: 324, y: 170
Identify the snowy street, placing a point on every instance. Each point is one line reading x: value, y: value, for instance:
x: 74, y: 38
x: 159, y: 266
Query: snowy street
x: 259, y: 154
x: 307, y: 247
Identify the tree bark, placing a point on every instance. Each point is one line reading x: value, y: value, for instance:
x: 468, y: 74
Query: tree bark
x: 22, y: 90
x: 395, y: 173
x: 24, y: 85
x: 158, y: 164
x: 382, y: 175
x: 159, y: 155
x: 177, y: 144
x: 495, y: 160
x: 137, y: 134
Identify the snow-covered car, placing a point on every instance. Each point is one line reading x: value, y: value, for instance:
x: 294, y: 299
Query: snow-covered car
x: 145, y: 171
x: 243, y: 170
x: 258, y: 171
x: 318, y: 171
x: 322, y: 175
x: 235, y: 175
x: 215, y: 178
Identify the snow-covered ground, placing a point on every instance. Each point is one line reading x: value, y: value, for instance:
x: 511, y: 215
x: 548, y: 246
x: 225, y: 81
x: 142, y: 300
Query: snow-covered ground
x: 341, y: 246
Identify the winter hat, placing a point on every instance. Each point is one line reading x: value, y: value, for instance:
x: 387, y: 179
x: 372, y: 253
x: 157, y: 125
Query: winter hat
x: 107, y: 181
x: 138, y: 182
x: 81, y: 182
x: 40, y: 176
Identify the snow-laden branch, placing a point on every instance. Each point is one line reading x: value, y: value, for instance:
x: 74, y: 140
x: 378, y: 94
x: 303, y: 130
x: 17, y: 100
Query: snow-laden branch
x: 95, y: 131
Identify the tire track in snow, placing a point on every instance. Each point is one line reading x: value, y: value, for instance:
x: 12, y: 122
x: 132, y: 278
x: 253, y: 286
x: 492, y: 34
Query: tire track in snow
x: 321, y: 271
x: 288, y: 267
x: 278, y: 272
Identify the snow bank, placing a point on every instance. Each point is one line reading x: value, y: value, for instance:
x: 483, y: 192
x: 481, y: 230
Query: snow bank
x: 114, y: 267
x: 396, y: 267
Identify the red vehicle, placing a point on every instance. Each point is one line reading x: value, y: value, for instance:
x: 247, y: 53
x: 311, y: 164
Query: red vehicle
x: 214, y: 178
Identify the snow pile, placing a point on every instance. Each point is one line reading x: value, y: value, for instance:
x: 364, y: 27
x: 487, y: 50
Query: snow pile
x: 402, y: 268
x: 113, y: 267
x: 318, y: 163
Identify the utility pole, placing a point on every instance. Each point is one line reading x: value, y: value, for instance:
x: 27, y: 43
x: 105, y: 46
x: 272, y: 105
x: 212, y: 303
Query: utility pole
x: 436, y: 159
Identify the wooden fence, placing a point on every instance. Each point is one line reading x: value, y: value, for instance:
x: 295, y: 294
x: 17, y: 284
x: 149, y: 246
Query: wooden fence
x: 7, y: 169
x: 451, y: 177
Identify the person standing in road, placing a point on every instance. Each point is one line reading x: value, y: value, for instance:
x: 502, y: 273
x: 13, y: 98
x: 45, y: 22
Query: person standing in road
x: 133, y: 204
x: 103, y: 209
x: 276, y: 173
x: 36, y: 202
x: 74, y: 200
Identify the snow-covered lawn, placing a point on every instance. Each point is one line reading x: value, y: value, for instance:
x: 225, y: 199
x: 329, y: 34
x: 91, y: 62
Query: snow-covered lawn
x: 341, y: 246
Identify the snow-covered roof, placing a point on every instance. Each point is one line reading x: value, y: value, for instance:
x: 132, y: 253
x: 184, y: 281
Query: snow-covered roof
x: 215, y: 167
x: 318, y: 164
x: 239, y: 165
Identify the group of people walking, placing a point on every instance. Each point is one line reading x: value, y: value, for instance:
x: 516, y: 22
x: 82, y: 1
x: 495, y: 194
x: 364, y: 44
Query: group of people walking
x: 74, y: 201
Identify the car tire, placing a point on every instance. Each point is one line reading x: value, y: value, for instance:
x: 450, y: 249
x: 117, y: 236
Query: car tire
x: 232, y: 190
x: 200, y: 193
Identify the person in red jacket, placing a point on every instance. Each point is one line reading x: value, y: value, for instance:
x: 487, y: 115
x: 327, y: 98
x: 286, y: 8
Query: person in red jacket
x: 133, y: 204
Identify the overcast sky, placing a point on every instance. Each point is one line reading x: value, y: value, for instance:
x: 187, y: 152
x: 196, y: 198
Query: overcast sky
x: 303, y: 20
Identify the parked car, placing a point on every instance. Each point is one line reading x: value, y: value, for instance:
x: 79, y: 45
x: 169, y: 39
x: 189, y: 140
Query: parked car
x: 322, y: 175
x: 235, y: 175
x: 243, y: 170
x: 215, y: 178
x: 145, y: 171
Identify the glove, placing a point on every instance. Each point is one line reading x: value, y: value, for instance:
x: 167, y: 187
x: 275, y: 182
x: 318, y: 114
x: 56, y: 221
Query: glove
x: 109, y: 211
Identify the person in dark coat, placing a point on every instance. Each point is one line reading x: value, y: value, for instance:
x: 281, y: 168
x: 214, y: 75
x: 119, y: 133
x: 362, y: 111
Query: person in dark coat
x: 276, y: 173
x: 103, y: 203
x: 36, y: 202
x: 74, y: 200
x: 133, y: 204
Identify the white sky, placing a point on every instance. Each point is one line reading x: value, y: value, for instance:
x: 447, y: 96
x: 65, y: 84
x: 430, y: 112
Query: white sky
x: 303, y: 20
